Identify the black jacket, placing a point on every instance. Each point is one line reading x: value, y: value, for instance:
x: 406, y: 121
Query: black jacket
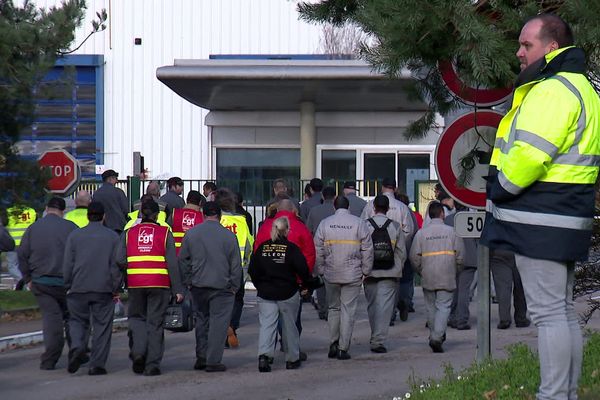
x: 274, y: 267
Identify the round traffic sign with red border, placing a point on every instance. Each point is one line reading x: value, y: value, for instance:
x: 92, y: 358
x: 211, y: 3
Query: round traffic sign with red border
x: 470, y: 95
x: 457, y: 140
x: 64, y: 169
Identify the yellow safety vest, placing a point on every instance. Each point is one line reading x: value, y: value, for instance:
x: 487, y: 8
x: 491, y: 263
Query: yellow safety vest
x: 133, y: 216
x: 78, y: 216
x: 238, y: 225
x: 18, y: 222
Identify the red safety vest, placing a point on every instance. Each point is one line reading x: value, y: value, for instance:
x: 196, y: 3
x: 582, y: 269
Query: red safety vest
x: 184, y: 219
x: 146, y: 261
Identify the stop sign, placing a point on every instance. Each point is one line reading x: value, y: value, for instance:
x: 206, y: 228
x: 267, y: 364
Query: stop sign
x: 64, y: 169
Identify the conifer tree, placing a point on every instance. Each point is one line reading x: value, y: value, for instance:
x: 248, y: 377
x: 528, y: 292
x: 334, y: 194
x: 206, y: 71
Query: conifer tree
x: 480, y: 37
x: 31, y: 39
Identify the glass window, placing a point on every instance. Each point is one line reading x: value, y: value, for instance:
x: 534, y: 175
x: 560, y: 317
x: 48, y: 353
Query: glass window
x: 252, y: 171
x: 411, y: 168
x: 338, y: 166
x: 378, y: 166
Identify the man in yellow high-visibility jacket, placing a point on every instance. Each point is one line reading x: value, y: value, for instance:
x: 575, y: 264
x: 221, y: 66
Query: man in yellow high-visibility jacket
x: 541, y: 190
x: 19, y: 219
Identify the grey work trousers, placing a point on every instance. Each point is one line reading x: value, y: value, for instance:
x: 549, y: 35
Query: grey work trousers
x: 55, y: 315
x: 270, y: 312
x: 459, y: 310
x: 146, y: 314
x: 99, y: 309
x: 437, y: 303
x: 508, y: 285
x: 322, y: 301
x: 213, y: 309
x: 342, y: 300
x: 549, y: 290
x: 381, y: 299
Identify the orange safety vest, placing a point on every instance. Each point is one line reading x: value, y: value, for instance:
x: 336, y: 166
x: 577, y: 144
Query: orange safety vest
x: 184, y: 219
x: 146, y: 256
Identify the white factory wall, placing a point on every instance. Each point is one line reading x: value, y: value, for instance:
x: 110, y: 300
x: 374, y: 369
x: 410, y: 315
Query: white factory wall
x: 141, y: 114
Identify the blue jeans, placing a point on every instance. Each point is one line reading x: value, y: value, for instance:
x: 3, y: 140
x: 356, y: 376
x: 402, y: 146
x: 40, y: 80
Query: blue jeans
x: 548, y: 289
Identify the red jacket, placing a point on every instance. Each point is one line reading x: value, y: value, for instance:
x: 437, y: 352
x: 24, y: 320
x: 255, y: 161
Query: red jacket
x: 299, y: 235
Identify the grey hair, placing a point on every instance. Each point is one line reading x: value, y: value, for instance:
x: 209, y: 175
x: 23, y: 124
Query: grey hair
x: 280, y: 228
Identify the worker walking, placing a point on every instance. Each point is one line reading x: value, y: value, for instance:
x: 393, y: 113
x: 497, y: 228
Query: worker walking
x: 147, y: 253
x: 92, y: 279
x: 41, y: 262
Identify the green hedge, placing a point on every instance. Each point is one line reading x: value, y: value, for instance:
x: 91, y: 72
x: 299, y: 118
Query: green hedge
x: 15, y: 300
x: 516, y: 377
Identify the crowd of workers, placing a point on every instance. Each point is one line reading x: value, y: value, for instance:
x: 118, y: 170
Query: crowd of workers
x: 168, y: 249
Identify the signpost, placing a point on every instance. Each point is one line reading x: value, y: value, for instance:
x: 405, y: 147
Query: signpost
x: 64, y: 169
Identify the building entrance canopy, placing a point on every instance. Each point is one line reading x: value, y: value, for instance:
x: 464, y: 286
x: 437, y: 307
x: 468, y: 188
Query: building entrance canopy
x: 282, y: 85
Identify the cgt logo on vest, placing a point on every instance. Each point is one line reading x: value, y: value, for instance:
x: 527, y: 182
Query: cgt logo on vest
x: 189, y: 220
x: 145, y: 238
x: 232, y: 228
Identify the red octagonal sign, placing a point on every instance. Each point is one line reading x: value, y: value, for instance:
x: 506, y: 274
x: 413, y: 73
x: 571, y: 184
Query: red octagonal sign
x: 64, y: 169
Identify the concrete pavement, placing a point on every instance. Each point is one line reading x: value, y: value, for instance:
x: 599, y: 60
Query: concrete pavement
x: 365, y: 376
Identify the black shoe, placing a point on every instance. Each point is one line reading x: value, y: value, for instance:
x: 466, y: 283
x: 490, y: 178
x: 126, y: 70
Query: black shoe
x: 333, y: 350
x: 216, y: 368
x: 463, y: 327
x: 323, y: 317
x: 436, y: 346
x: 293, y: 364
x: 523, y: 324
x: 504, y: 325
x: 379, y: 349
x: 97, y: 371
x: 263, y: 364
x: 139, y: 364
x: 343, y: 355
x: 303, y: 356
x: 392, y: 322
x: 200, y: 363
x: 411, y: 309
x: 154, y: 371
x: 451, y: 324
x: 75, y: 361
x: 403, y: 311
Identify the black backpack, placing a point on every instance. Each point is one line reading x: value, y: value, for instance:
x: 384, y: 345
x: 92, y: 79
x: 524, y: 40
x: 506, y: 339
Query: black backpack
x: 382, y: 245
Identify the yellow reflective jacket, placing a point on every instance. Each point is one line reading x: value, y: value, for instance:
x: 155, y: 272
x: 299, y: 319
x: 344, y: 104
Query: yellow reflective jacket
x: 78, y: 216
x: 545, y: 163
x: 18, y: 222
x: 133, y: 219
x: 238, y: 225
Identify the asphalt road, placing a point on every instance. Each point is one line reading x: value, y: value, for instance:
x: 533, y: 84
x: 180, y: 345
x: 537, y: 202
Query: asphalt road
x: 365, y: 376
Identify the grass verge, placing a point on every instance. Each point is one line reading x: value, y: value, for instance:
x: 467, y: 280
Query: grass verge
x: 516, y: 377
x: 16, y: 300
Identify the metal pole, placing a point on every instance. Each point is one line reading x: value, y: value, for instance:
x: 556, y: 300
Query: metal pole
x: 483, y: 304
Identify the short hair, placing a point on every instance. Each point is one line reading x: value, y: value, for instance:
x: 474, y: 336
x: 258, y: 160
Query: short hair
x: 435, y: 210
x: 280, y: 185
x: 307, y: 190
x: 210, y: 186
x: 341, y: 202
x: 95, y: 211
x: 280, y: 228
x: 195, y: 197
x: 144, y: 199
x: 83, y: 198
x: 554, y: 28
x: 225, y: 199
x: 211, y: 209
x: 153, y: 189
x: 174, y: 181
x: 381, y: 203
x: 328, y: 192
x: 286, y: 205
x: 149, y: 209
x: 316, y: 184
x: 403, y: 197
x: 57, y: 203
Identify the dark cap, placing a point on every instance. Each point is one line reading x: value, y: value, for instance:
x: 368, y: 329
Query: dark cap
x: 389, y: 182
x: 175, y: 181
x: 149, y: 207
x: 95, y: 208
x: 57, y: 202
x: 108, y: 173
x: 350, y: 185
x: 211, y: 208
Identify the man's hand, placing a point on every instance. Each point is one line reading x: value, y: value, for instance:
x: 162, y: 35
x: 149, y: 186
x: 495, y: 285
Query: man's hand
x: 178, y: 297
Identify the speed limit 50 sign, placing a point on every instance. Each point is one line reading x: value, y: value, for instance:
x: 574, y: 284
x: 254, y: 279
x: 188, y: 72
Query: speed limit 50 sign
x: 469, y: 224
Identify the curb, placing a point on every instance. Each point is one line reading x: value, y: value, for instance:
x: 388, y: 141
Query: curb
x: 31, y: 338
